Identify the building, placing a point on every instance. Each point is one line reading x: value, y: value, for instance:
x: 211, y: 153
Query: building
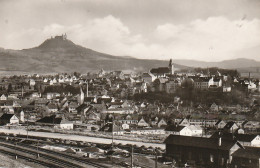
x: 220, y: 124
x: 9, y: 119
x: 142, y: 123
x: 248, y: 157
x: 178, y: 130
x: 148, y: 77
x: 172, y: 85
x: 207, y: 152
x: 55, y: 121
x: 231, y: 127
x: 201, y: 83
x: 215, y: 82
x: 163, y: 71
x: 244, y: 139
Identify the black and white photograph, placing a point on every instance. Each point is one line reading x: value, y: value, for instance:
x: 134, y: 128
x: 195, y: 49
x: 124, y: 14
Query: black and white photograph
x: 130, y: 83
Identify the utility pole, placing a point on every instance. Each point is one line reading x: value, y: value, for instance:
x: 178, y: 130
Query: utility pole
x: 15, y: 151
x: 113, y: 133
x: 155, y: 158
x: 132, y: 156
x: 38, y: 155
x: 27, y: 124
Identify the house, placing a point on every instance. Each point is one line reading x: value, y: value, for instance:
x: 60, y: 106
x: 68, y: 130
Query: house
x: 9, y: 119
x: 148, y: 77
x: 172, y: 85
x: 93, y: 116
x: 201, y: 83
x: 3, y: 97
x: 72, y: 107
x: 35, y: 95
x: 142, y: 123
x: 197, y: 122
x: 112, y: 128
x: 231, y: 127
x: 244, y: 139
x: 141, y: 87
x: 214, y: 107
x: 178, y: 130
x: 148, y: 131
x: 196, y: 130
x: 206, y: 152
x: 210, y: 123
x: 125, y: 126
x: 161, y: 123
x: 55, y: 121
x: 220, y: 124
x: 248, y: 157
x: 215, y: 82
x: 184, y: 122
x: 32, y: 82
x: 52, y: 95
x: 52, y: 107
x: 129, y: 119
x: 251, y: 125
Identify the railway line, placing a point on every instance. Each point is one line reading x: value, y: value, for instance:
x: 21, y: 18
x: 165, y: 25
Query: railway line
x: 53, y: 158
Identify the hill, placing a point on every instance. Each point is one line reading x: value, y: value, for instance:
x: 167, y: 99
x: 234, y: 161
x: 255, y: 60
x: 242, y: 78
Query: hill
x: 239, y: 63
x: 62, y: 55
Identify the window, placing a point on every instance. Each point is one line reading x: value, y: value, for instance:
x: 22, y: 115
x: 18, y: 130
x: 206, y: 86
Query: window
x: 211, y: 158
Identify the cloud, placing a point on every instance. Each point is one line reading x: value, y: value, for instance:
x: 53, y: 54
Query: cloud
x: 210, y: 39
x: 214, y: 38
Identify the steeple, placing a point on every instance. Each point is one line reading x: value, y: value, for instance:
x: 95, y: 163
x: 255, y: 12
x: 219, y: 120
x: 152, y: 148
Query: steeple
x: 81, y: 97
x: 171, y: 67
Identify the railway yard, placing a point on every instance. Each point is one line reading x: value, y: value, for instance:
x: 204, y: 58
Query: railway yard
x: 32, y: 149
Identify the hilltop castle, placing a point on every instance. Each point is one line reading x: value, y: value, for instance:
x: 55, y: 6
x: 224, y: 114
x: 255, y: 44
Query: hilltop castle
x: 62, y: 37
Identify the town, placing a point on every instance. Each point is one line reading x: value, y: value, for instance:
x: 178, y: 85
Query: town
x: 200, y: 117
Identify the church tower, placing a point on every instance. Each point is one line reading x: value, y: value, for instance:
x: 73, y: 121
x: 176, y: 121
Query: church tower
x: 81, y: 97
x: 171, y: 67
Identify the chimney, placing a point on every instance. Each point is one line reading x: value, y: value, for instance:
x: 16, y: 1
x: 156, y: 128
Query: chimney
x: 219, y: 141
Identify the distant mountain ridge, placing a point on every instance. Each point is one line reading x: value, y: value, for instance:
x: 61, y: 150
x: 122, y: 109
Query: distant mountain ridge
x: 239, y: 63
x: 61, y: 55
x: 56, y: 55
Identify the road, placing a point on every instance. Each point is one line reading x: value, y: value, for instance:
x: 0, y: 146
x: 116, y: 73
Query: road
x: 79, y: 138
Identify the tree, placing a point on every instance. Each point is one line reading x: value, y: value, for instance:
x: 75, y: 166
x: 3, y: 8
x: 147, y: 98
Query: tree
x: 10, y: 87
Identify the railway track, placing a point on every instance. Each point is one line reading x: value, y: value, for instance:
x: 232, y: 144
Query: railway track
x: 58, y: 158
x: 68, y: 156
x: 30, y: 159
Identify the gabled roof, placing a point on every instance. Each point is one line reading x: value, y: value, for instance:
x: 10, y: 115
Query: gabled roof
x: 52, y: 106
x: 6, y: 116
x: 219, y: 121
x: 200, y: 142
x: 160, y: 70
x: 109, y: 127
x: 248, y: 152
x: 83, y: 106
x: 50, y: 120
x: 174, y: 128
x: 239, y: 137
x: 229, y: 125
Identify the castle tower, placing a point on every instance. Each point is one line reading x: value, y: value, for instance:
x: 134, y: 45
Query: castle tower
x: 171, y: 67
x: 64, y: 36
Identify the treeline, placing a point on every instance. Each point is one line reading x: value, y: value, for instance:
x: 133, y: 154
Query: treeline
x: 215, y: 70
x: 194, y: 97
x: 62, y: 89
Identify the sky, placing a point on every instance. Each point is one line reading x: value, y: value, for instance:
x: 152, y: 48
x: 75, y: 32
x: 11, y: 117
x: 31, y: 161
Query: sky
x: 207, y: 30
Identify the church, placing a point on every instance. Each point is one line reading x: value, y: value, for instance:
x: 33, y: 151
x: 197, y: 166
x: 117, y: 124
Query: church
x: 163, y: 71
